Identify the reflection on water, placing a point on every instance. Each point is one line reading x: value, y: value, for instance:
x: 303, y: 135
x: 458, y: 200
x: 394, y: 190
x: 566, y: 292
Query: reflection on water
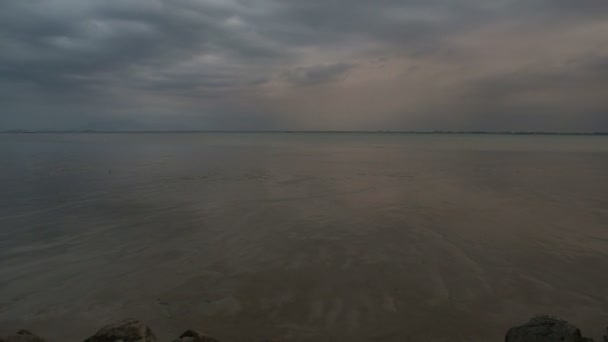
x: 303, y: 237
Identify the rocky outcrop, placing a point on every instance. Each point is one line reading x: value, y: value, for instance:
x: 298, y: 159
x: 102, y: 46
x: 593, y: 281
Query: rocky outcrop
x: 545, y: 329
x: 194, y: 336
x: 22, y: 336
x: 538, y: 329
x: 130, y: 330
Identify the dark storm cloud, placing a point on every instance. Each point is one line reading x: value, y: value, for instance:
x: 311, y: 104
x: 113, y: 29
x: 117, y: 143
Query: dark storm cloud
x: 111, y: 37
x: 243, y: 64
x: 316, y: 74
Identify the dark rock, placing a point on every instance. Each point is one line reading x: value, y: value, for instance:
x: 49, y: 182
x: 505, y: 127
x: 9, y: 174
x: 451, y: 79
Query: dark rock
x: 545, y: 329
x: 194, y: 336
x: 22, y: 336
x: 130, y: 330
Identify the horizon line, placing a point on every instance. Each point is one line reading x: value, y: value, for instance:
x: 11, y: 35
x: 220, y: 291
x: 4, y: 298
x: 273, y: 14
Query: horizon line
x: 24, y: 131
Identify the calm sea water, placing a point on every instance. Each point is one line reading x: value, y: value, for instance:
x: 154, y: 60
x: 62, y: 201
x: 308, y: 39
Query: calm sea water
x: 302, y: 237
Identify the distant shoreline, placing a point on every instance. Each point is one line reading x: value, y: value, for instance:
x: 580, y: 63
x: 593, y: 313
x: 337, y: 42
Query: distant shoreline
x: 300, y: 132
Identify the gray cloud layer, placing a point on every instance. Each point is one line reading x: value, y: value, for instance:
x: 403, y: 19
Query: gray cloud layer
x: 316, y: 64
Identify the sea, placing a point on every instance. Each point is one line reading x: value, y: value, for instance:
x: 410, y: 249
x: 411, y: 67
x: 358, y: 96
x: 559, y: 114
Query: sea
x: 302, y: 236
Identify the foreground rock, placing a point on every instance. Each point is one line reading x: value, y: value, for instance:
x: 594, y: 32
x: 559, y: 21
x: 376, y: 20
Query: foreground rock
x: 22, y: 336
x: 545, y: 329
x: 538, y: 329
x: 194, y: 336
x: 130, y: 330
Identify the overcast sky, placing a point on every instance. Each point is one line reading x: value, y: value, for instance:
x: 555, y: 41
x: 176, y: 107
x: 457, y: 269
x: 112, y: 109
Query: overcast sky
x: 304, y: 64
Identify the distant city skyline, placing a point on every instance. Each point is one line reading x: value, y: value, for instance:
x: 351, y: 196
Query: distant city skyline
x: 331, y: 65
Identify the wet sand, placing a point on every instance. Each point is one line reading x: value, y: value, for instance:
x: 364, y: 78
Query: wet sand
x: 303, y: 237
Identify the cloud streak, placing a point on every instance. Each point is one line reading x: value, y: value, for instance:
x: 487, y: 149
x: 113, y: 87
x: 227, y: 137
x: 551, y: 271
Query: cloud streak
x: 338, y: 64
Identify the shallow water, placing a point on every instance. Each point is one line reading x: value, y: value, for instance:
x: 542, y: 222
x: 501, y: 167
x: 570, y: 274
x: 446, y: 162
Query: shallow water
x: 303, y: 237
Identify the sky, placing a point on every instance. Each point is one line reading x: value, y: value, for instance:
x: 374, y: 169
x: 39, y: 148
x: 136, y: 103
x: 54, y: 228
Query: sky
x: 496, y: 65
